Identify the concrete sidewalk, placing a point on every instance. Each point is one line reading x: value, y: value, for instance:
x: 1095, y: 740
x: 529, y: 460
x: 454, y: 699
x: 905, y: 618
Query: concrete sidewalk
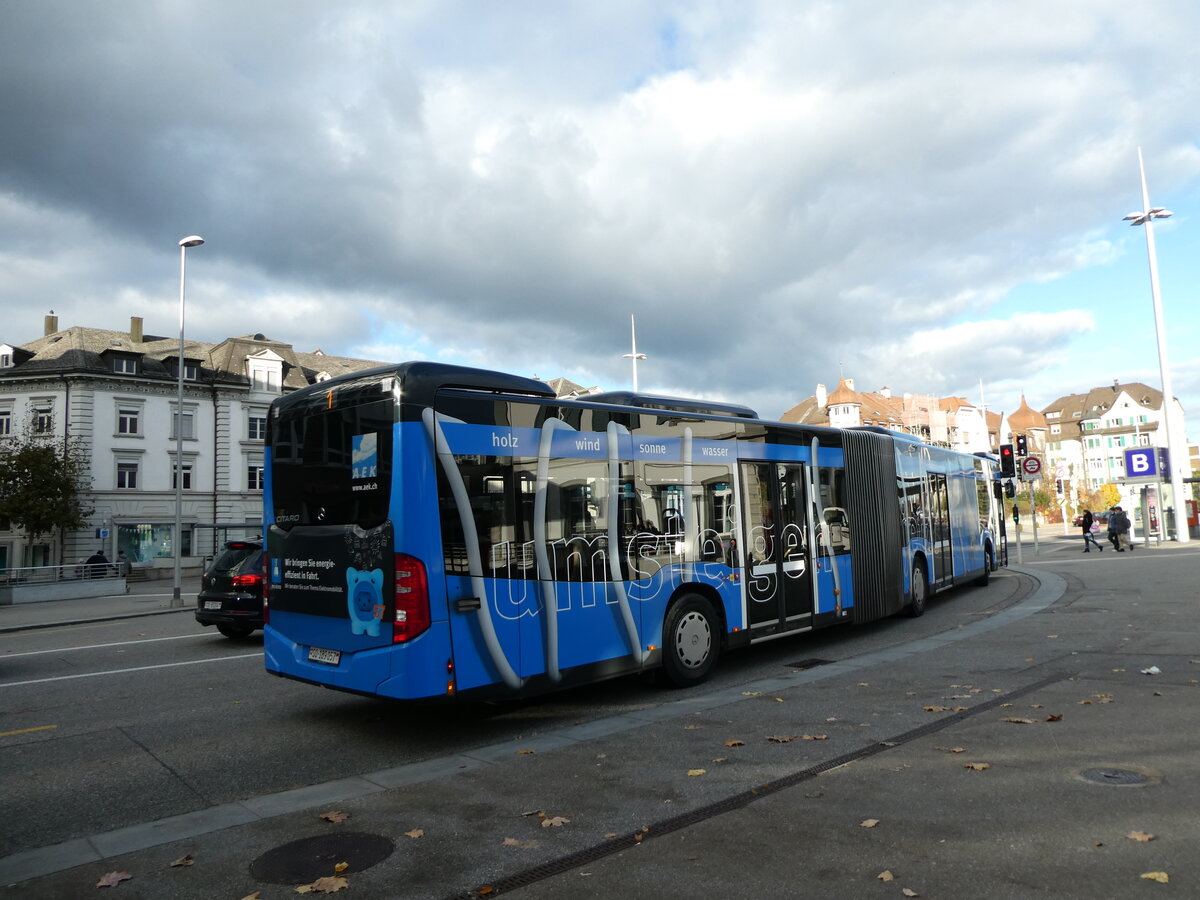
x: 144, y: 598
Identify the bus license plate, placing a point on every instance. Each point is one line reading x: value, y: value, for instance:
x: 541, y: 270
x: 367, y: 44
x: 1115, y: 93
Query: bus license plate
x: 321, y: 655
x: 212, y: 604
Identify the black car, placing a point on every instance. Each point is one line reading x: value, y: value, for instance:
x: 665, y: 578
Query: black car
x: 231, y: 590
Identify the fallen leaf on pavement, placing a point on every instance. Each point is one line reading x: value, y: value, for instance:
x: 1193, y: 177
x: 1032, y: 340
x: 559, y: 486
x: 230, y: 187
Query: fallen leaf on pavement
x: 335, y: 816
x: 112, y: 879
x: 415, y: 833
x: 951, y: 749
x: 1018, y: 721
x: 1160, y: 877
x: 868, y: 823
x: 330, y: 884
x: 735, y: 743
x: 781, y: 738
x: 1140, y: 836
x: 886, y: 875
x: 694, y: 772
x: 255, y: 896
x: 188, y: 860
x: 526, y: 752
x: 555, y: 821
x: 516, y: 842
x: 977, y: 767
x: 1054, y: 717
x: 908, y: 892
x: 340, y: 868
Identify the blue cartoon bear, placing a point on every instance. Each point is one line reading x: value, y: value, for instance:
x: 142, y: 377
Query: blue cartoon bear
x: 364, y: 598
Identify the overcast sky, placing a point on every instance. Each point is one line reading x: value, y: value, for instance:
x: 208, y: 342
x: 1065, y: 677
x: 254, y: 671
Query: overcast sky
x: 922, y: 195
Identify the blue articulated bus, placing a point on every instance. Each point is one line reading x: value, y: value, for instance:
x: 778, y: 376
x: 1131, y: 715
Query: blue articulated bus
x: 436, y: 531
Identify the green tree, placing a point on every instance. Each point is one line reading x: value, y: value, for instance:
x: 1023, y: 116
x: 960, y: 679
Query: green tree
x: 43, y: 484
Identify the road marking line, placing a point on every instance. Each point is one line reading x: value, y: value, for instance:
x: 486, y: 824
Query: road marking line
x: 124, y: 671
x: 178, y: 637
x: 27, y: 730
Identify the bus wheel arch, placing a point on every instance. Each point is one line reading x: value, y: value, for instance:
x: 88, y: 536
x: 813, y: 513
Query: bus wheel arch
x: 692, y: 637
x: 918, y: 590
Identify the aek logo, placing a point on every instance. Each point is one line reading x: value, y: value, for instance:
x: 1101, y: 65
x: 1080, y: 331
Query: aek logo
x: 364, y: 456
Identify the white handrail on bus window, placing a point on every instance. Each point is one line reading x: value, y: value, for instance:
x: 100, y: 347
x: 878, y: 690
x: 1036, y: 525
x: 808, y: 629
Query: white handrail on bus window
x: 826, y: 527
x: 615, y: 547
x: 433, y: 427
x: 691, y: 532
x: 545, y: 572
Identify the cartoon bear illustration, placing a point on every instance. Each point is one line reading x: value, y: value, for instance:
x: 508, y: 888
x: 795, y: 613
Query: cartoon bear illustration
x: 364, y: 599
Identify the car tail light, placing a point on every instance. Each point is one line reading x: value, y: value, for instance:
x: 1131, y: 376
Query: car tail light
x: 245, y: 581
x: 412, y: 599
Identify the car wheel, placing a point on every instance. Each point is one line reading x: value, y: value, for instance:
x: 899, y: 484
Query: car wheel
x: 235, y: 631
x: 691, y: 641
x: 919, y: 592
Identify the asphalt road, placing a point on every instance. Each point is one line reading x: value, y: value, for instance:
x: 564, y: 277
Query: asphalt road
x: 111, y: 724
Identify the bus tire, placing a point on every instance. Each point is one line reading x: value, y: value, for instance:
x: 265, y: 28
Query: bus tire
x: 235, y: 630
x: 988, y: 559
x: 691, y: 641
x: 918, y: 592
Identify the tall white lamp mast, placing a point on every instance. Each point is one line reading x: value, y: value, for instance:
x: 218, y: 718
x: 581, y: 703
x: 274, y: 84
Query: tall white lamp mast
x: 1178, y: 454
x: 633, y: 355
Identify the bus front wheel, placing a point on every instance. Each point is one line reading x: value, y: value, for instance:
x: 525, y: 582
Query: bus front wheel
x: 691, y: 641
x: 919, y: 592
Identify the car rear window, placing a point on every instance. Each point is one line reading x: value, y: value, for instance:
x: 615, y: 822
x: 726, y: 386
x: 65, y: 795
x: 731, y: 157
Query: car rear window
x: 238, y: 558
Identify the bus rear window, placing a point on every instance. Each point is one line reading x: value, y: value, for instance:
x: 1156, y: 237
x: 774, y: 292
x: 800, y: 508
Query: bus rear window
x: 332, y: 466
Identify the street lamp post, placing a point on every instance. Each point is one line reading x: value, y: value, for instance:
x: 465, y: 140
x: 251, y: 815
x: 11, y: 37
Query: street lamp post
x: 1177, y: 454
x: 176, y: 596
x: 634, y: 355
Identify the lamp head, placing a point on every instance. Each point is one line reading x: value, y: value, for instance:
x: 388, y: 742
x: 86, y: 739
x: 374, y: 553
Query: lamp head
x: 192, y: 241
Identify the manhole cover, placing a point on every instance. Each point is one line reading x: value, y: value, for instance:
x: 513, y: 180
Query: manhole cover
x: 1114, y: 776
x: 311, y: 858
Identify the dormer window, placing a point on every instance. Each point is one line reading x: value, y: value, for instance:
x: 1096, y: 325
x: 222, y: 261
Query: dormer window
x: 191, y: 369
x: 265, y: 371
x: 124, y: 365
x: 5, y: 360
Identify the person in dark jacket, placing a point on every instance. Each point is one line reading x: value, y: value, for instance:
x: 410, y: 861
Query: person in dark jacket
x: 1088, y: 536
x: 1120, y: 524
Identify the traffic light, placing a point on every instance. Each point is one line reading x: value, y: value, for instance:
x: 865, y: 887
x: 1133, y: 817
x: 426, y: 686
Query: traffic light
x: 1022, y: 446
x: 1010, y: 489
x: 1008, y: 465
x: 1058, y: 486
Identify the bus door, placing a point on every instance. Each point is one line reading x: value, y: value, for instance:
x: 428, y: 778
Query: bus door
x: 776, y: 567
x: 939, y: 522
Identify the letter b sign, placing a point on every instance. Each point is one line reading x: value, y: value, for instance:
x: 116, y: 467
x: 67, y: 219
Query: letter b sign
x: 1141, y: 462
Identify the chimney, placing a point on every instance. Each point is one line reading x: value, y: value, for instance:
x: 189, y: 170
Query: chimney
x: 51, y: 325
x: 821, y: 396
x: 850, y: 383
x: 135, y: 329
x: 885, y: 392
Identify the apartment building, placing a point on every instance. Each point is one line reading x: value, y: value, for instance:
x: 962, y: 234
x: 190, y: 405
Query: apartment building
x: 116, y: 391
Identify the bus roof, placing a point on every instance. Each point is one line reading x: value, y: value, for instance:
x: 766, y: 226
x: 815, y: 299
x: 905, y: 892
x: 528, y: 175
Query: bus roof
x: 673, y: 404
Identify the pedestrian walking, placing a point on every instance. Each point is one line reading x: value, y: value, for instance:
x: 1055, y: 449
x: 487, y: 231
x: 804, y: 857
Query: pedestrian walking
x: 1120, y: 525
x: 1112, y: 528
x: 1090, y: 527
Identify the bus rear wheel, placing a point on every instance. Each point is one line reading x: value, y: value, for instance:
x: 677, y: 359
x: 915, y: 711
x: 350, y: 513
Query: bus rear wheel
x: 691, y: 641
x: 919, y: 592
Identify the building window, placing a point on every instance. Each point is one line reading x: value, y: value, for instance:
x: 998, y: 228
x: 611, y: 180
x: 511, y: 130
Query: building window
x: 5, y: 360
x: 254, y: 477
x: 189, y: 424
x: 127, y: 476
x: 187, y: 476
x: 124, y: 365
x: 5, y: 422
x: 265, y: 378
x: 127, y: 421
x: 256, y: 427
x: 43, y: 419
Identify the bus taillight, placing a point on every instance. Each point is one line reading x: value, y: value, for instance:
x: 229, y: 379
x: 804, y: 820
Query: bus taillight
x: 412, y: 599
